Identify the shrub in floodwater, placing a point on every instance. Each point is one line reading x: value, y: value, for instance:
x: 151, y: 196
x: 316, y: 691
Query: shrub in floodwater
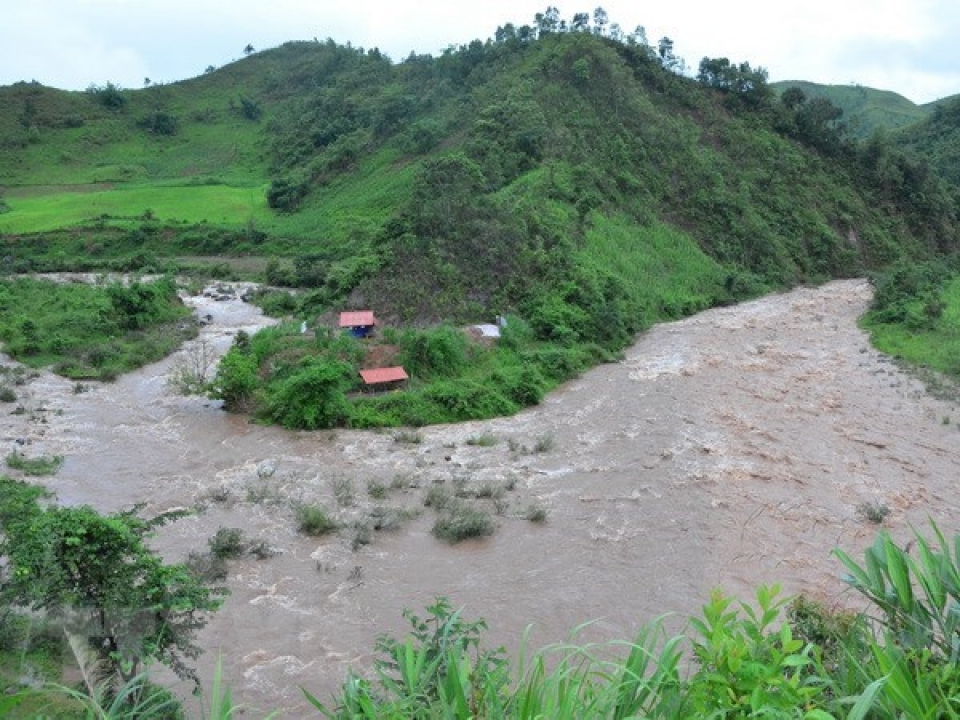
x: 873, y: 511
x: 44, y: 465
x: 261, y: 549
x: 408, y: 437
x: 7, y: 394
x: 544, y: 443
x: 437, y: 497
x: 262, y: 491
x: 227, y: 543
x: 362, y: 535
x: 314, y: 520
x: 343, y: 490
x: 376, y: 489
x: 460, y: 521
x: 536, y: 513
x: 484, y: 440
x: 390, y: 518
x: 490, y: 491
x: 207, y: 566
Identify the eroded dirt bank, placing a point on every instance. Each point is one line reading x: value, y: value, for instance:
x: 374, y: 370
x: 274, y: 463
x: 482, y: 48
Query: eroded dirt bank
x: 728, y: 449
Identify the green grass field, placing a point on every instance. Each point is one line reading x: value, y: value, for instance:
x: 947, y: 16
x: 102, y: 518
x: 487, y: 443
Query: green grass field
x: 38, y: 209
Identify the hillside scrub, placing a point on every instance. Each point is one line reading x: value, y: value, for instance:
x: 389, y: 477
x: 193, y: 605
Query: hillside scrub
x: 936, y: 139
x: 91, y: 331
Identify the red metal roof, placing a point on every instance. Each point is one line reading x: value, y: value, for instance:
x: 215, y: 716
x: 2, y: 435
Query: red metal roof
x: 362, y: 318
x: 383, y: 375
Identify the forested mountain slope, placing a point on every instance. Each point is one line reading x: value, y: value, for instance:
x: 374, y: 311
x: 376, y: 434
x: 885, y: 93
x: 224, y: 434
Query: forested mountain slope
x: 937, y: 139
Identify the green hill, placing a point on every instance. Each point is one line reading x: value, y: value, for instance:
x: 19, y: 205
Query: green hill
x: 864, y: 109
x: 570, y: 178
x: 937, y: 138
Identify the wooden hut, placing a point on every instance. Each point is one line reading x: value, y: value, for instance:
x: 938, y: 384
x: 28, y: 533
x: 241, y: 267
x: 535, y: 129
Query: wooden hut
x: 360, y: 323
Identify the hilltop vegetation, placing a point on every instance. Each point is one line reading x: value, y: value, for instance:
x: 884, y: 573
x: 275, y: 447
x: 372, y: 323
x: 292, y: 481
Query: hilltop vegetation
x: 937, y: 139
x: 865, y: 110
x: 563, y: 172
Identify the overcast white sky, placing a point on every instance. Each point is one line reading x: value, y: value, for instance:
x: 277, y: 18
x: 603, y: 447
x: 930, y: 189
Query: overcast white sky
x: 909, y: 46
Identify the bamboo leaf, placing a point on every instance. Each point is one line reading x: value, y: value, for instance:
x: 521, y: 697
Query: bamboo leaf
x: 866, y: 699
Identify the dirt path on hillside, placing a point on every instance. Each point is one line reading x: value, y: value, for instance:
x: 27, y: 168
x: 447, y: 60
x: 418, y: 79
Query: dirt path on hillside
x: 729, y: 449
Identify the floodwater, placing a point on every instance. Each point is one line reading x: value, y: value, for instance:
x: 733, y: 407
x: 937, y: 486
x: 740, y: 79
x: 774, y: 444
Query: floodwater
x: 733, y: 448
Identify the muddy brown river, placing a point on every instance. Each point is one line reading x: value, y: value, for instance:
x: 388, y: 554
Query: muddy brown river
x: 733, y: 448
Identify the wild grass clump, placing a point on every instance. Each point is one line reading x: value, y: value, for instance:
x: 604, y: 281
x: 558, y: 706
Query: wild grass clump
x: 376, y: 489
x: 403, y: 480
x: 263, y: 492
x: 390, y: 518
x: 460, y: 521
x: 487, y: 490
x: 484, y: 440
x: 437, y: 497
x: 313, y: 519
x: 7, y: 394
x: 38, y: 466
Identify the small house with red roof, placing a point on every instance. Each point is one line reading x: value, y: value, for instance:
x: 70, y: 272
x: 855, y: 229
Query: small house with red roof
x: 381, y: 379
x: 360, y: 323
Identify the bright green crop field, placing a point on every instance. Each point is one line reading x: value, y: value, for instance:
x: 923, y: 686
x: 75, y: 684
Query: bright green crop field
x: 43, y: 208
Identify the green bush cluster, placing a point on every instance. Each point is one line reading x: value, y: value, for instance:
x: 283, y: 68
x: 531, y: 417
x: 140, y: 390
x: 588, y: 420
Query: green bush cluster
x: 42, y: 465
x: 458, y: 521
x: 314, y: 520
x: 311, y: 381
x: 915, y: 315
x: 91, y: 331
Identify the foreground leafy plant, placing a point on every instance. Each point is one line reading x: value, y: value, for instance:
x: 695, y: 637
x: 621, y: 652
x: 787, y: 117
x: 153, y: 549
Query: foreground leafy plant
x: 917, y: 653
x: 747, y: 664
x: 919, y: 597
